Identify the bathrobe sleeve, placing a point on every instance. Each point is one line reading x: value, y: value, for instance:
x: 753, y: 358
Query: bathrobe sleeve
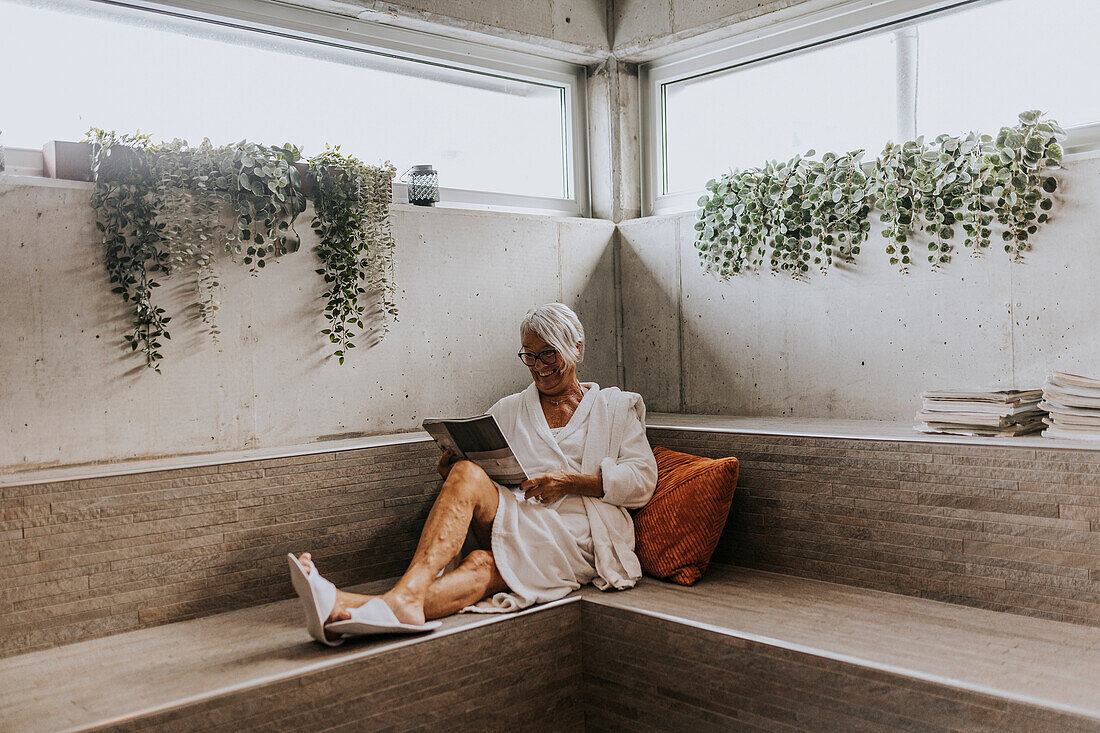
x: 630, y: 477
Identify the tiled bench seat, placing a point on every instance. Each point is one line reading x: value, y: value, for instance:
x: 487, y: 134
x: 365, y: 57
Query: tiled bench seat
x: 746, y: 649
x: 105, y: 549
x: 256, y: 668
x: 743, y: 649
x: 174, y: 560
x: 1005, y: 524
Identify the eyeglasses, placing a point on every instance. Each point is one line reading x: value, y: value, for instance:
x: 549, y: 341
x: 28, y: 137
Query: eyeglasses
x: 549, y: 357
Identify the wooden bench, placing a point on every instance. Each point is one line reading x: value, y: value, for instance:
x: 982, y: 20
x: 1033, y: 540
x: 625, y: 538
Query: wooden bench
x: 146, y: 597
x: 741, y: 649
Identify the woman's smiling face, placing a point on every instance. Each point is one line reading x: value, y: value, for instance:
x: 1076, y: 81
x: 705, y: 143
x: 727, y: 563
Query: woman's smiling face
x: 549, y: 379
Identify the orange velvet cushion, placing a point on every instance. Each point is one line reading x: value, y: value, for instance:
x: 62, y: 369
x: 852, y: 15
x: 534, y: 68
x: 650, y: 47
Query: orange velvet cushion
x: 676, y: 532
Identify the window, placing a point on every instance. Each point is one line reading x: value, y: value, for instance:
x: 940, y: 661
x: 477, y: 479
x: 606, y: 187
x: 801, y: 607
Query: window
x: 981, y: 66
x: 861, y: 74
x: 779, y: 109
x: 499, y: 127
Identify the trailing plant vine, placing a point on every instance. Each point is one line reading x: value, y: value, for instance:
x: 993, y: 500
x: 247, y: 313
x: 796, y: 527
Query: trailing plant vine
x: 941, y: 184
x: 977, y: 187
x: 788, y: 223
x: 163, y: 208
x: 896, y: 175
x: 845, y: 195
x: 126, y: 207
x: 1021, y: 190
x: 267, y: 199
x: 355, y: 244
x: 190, y: 184
x: 794, y: 212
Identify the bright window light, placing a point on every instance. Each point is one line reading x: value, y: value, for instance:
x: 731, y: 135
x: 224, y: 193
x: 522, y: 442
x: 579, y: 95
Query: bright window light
x: 970, y: 67
x: 778, y: 109
x: 980, y: 67
x: 71, y: 67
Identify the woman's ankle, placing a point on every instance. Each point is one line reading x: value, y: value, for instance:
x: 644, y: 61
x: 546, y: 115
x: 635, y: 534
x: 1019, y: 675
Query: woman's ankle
x: 408, y: 607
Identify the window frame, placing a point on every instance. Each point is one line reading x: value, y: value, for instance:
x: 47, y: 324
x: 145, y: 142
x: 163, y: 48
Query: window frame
x: 345, y: 31
x: 791, y: 34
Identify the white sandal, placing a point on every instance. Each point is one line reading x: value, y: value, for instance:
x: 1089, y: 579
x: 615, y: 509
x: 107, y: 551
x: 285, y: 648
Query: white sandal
x: 318, y: 598
x: 376, y: 617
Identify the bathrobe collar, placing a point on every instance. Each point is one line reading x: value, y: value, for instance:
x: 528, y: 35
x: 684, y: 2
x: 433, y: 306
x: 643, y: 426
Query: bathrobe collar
x: 537, y: 417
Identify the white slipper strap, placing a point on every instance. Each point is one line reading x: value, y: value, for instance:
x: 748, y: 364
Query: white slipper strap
x: 376, y: 612
x: 324, y: 594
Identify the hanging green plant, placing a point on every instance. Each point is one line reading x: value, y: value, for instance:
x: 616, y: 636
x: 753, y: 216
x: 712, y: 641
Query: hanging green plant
x: 896, y: 175
x: 802, y: 211
x: 787, y: 223
x: 1022, y: 190
x: 731, y: 227
x: 941, y: 183
x: 163, y: 208
x: 844, y: 206
x: 191, y: 185
x: 127, y: 205
x: 976, y: 216
x: 793, y: 214
x: 351, y: 218
x: 267, y: 199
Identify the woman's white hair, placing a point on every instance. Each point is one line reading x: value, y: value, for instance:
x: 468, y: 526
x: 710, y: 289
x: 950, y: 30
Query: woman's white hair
x: 557, y: 325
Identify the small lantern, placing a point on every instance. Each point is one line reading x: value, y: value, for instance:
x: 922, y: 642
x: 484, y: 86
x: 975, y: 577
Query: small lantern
x: 423, y: 183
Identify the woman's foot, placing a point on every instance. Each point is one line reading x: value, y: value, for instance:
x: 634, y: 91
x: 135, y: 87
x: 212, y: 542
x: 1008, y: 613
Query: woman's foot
x: 344, y: 601
x: 408, y: 610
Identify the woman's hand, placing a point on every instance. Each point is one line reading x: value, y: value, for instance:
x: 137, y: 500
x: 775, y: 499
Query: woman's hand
x: 445, y: 462
x: 549, y: 487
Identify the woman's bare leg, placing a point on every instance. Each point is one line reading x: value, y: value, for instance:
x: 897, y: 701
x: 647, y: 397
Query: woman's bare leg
x: 476, y: 578
x: 468, y: 495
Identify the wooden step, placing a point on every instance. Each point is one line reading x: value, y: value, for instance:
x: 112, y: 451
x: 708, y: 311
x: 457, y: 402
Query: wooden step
x: 743, y: 649
x: 1005, y: 524
x: 257, y: 668
x: 746, y: 649
x: 1011, y: 526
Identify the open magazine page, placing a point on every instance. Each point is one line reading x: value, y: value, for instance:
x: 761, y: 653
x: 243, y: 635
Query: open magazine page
x: 479, y: 439
x: 438, y: 431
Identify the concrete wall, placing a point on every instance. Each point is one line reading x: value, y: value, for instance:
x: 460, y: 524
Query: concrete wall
x: 643, y: 29
x: 69, y: 393
x: 862, y: 342
x: 572, y: 30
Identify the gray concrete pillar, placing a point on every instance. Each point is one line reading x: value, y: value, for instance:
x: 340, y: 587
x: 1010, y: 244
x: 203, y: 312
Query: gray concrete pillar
x: 614, y: 146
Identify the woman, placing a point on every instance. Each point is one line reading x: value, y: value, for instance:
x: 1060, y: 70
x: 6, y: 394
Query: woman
x: 586, y: 451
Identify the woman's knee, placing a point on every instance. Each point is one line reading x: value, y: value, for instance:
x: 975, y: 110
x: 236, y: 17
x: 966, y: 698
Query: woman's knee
x: 484, y: 567
x: 469, y: 485
x: 481, y: 561
x: 467, y: 477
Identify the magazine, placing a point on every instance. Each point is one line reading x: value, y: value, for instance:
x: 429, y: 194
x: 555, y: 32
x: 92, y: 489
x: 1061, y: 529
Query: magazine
x: 479, y: 439
x: 995, y: 396
x: 980, y: 418
x: 992, y: 412
x: 1073, y: 402
x: 1075, y: 380
x: 981, y: 431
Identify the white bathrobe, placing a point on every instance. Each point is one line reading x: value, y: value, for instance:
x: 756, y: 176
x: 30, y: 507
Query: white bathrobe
x: 544, y: 552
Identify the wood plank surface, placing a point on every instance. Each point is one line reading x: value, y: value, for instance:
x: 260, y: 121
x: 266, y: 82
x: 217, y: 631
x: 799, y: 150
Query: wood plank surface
x: 257, y: 667
x: 1023, y: 660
